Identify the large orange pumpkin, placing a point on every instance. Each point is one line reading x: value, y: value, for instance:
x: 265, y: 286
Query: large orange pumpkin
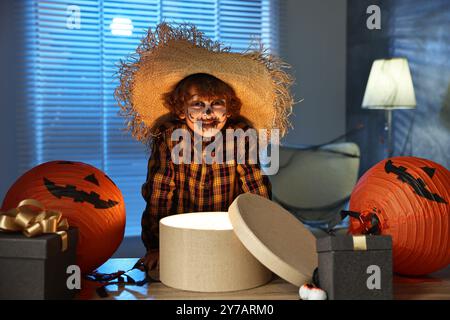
x: 86, y: 196
x: 408, y: 199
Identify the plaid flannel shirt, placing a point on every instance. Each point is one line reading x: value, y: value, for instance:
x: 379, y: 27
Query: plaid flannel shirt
x: 197, y: 187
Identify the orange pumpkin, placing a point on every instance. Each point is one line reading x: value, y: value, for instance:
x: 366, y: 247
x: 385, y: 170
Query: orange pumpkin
x: 408, y: 199
x: 86, y: 196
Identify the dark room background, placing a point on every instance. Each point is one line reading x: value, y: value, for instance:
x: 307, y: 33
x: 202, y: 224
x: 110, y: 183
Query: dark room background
x: 328, y: 45
x: 420, y: 31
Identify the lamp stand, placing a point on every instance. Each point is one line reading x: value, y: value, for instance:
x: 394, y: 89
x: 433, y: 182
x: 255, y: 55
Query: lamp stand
x: 388, y: 128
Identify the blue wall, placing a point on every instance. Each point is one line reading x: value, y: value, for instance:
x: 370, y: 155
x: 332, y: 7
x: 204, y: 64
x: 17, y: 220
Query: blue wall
x: 420, y: 31
x: 313, y: 40
x: 10, y: 70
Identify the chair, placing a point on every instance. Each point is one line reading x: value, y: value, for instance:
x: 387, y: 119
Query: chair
x: 315, y: 184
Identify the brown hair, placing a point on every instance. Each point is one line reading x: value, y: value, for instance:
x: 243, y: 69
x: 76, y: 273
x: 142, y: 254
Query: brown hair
x: 207, y: 86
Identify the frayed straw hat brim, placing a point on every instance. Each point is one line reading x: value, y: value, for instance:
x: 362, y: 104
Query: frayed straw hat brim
x: 170, y: 54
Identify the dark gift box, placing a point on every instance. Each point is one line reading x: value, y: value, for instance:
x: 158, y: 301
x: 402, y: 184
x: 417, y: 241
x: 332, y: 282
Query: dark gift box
x: 355, y: 267
x: 36, y: 268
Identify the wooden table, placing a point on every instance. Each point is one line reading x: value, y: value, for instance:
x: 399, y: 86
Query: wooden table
x: 434, y: 286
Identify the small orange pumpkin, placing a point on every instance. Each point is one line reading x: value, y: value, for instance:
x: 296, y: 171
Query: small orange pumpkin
x: 409, y: 198
x: 86, y: 196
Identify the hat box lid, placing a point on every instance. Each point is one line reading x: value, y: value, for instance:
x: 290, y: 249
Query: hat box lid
x: 275, y: 237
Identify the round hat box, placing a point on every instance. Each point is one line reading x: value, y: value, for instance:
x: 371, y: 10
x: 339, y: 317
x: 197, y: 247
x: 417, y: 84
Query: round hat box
x: 200, y: 252
x: 235, y: 250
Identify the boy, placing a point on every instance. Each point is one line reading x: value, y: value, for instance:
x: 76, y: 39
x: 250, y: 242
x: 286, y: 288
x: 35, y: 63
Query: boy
x: 183, y: 80
x: 204, y: 105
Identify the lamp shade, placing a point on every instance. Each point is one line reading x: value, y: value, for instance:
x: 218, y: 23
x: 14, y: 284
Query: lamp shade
x: 389, y: 86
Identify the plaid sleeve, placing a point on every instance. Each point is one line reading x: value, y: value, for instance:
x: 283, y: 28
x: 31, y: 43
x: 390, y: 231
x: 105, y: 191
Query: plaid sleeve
x: 252, y: 180
x: 250, y: 175
x: 157, y: 191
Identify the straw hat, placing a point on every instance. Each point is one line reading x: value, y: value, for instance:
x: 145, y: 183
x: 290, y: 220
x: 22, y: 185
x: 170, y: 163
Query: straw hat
x: 173, y: 52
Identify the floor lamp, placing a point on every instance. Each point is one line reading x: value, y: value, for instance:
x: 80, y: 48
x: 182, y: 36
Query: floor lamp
x: 389, y: 87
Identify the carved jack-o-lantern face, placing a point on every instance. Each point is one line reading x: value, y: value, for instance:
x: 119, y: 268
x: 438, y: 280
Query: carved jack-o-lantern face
x: 409, y: 199
x: 416, y: 183
x: 76, y: 192
x: 86, y: 196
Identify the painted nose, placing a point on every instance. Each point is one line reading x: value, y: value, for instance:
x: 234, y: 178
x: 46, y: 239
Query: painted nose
x: 208, y: 111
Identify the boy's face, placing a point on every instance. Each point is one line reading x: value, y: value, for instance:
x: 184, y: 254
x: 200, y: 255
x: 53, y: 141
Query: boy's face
x: 205, y: 116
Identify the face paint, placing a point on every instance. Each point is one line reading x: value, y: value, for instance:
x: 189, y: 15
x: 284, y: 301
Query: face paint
x: 206, y: 117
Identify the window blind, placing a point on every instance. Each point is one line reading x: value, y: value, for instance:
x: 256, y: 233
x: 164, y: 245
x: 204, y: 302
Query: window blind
x: 70, y: 112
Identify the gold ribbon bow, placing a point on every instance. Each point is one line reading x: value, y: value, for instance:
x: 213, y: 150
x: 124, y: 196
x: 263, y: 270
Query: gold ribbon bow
x: 32, y: 219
